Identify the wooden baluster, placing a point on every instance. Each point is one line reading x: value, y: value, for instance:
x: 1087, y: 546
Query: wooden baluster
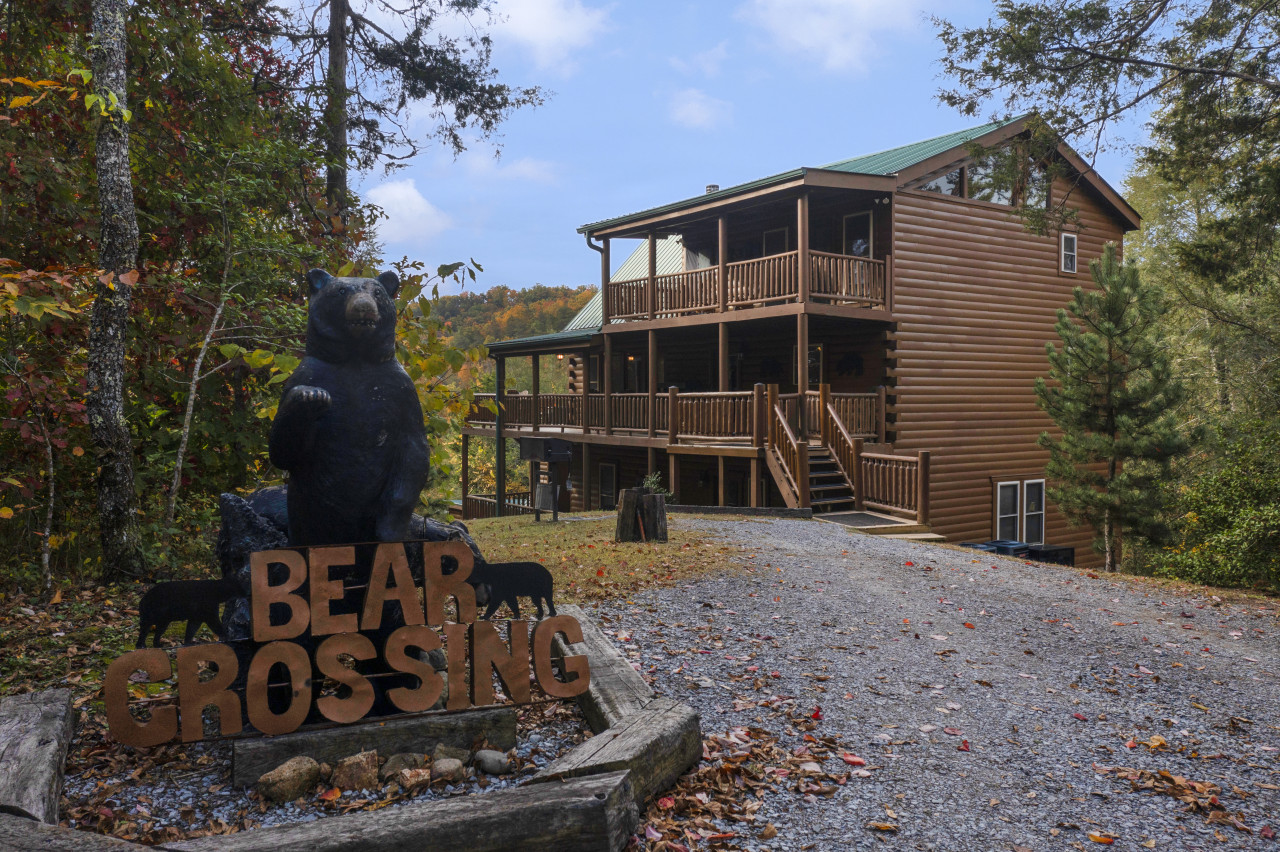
x: 673, y: 415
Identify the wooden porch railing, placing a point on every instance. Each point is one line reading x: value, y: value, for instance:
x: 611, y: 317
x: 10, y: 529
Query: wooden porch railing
x: 595, y: 411
x: 786, y: 455
x: 485, y: 505
x: 896, y: 484
x: 559, y: 409
x: 693, y: 292
x: 764, y: 280
x: 833, y: 278
x: 727, y: 416
x: 843, y: 279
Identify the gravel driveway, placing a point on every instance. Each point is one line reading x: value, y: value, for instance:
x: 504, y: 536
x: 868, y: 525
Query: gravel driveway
x: 1049, y: 677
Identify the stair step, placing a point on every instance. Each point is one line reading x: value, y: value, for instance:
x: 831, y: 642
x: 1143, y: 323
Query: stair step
x: 834, y: 486
x: 895, y: 529
x: 929, y: 536
x: 829, y: 501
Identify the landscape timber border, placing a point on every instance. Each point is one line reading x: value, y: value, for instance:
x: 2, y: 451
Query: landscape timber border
x: 588, y: 800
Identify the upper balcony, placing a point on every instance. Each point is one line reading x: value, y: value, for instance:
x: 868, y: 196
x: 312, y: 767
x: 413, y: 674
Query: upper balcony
x: 821, y: 246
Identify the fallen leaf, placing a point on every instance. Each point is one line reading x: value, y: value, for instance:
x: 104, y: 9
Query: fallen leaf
x: 769, y: 832
x: 882, y: 826
x: 853, y: 759
x: 1101, y: 838
x: 331, y: 795
x: 968, y: 625
x: 964, y: 746
x: 1081, y: 717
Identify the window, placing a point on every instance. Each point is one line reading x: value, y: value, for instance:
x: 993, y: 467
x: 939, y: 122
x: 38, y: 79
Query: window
x: 775, y: 241
x: 947, y: 184
x: 1033, y: 511
x: 1007, y: 494
x: 593, y: 374
x: 1070, y: 244
x: 857, y: 234
x: 987, y: 183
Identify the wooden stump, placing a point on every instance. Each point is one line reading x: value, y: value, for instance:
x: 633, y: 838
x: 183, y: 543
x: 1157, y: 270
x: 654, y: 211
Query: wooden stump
x: 641, y: 516
x: 35, y: 730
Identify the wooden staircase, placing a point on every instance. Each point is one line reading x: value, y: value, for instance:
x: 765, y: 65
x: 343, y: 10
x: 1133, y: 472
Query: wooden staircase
x: 829, y: 489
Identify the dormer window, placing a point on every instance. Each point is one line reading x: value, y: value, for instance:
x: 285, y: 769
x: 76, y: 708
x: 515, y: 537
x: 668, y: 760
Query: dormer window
x: 1069, y: 245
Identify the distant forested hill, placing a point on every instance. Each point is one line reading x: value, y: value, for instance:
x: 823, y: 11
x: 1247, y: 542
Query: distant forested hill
x: 502, y: 313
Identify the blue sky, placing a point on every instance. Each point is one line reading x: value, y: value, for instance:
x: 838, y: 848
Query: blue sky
x: 654, y: 100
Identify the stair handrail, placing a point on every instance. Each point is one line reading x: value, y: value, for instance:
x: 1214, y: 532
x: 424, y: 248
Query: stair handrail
x: 847, y: 452
x: 792, y: 453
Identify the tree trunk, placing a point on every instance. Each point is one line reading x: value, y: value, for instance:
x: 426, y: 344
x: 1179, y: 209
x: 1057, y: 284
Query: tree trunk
x: 193, y: 389
x: 335, y: 114
x: 108, y: 325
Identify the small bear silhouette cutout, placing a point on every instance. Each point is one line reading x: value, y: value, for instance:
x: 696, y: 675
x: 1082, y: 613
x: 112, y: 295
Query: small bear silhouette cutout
x: 507, y: 581
x: 194, y: 601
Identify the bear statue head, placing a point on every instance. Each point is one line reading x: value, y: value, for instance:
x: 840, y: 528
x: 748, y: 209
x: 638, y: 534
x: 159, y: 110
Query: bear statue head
x: 351, y: 318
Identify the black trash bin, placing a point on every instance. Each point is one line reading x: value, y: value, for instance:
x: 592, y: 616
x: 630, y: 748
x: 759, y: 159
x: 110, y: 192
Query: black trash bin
x: 1055, y: 554
x: 1007, y: 547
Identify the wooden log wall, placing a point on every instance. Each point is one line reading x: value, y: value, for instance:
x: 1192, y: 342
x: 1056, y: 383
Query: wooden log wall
x: 976, y: 298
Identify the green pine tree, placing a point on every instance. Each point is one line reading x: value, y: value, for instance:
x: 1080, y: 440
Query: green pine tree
x: 1111, y: 392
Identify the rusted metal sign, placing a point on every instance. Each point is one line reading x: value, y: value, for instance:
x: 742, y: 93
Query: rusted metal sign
x: 309, y: 625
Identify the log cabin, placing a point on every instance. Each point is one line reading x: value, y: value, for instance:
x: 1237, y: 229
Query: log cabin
x: 859, y: 338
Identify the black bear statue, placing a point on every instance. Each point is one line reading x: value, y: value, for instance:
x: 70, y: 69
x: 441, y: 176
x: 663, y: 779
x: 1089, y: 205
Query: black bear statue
x: 349, y: 427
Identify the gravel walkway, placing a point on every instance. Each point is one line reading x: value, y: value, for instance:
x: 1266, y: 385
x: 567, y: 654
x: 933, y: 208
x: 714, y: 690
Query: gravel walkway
x: 1052, y: 678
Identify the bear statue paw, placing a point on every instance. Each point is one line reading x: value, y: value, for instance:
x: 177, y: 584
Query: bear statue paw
x: 307, y: 400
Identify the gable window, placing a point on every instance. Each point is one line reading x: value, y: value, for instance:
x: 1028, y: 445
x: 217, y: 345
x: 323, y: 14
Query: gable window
x: 858, y: 235
x: 1007, y: 505
x: 1069, y: 248
x: 775, y: 241
x: 950, y: 183
x: 1033, y: 511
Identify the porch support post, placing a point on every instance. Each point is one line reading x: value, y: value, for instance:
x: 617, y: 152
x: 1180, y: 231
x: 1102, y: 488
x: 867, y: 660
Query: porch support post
x: 500, y: 455
x: 586, y: 388
x: 608, y: 384
x: 724, y: 357
x: 720, y: 481
x: 859, y: 480
x: 802, y: 373
x: 535, y: 364
x: 653, y: 384
x: 755, y: 482
x: 722, y: 259
x: 533, y: 490
x: 880, y: 413
x: 759, y: 415
x: 651, y: 291
x: 673, y: 415
x: 673, y: 474
x: 802, y: 245
x: 604, y: 283
x: 466, y: 472
x: 922, y: 488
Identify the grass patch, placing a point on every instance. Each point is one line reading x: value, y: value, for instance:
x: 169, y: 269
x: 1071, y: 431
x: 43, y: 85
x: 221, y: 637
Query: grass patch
x: 586, y: 562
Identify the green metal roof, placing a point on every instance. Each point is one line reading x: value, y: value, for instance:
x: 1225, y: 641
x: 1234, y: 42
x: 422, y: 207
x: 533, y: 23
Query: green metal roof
x: 566, y: 339
x: 881, y: 163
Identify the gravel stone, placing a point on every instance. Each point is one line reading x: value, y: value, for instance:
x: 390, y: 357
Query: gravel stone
x: 291, y: 779
x: 492, y: 762
x: 880, y: 645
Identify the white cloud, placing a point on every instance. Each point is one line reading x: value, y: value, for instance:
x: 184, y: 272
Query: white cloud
x: 409, y: 216
x: 695, y: 108
x: 839, y: 35
x: 484, y: 165
x: 707, y: 62
x: 551, y: 30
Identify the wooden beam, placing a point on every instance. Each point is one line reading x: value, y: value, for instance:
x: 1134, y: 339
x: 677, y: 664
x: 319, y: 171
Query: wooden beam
x: 673, y: 473
x: 640, y: 227
x: 759, y: 415
x: 604, y: 282
x: 616, y: 690
x: 738, y: 452
x: 720, y: 489
x: 588, y: 814
x: 586, y: 387
x: 922, y: 488
x: 755, y: 482
x: 535, y: 363
x: 466, y: 472
x: 724, y: 357
x: 673, y: 416
x: 802, y: 245
x: 35, y: 730
x: 653, y: 384
x: 651, y: 288
x: 608, y: 384
x: 500, y: 443
x: 722, y: 260
x: 802, y: 372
